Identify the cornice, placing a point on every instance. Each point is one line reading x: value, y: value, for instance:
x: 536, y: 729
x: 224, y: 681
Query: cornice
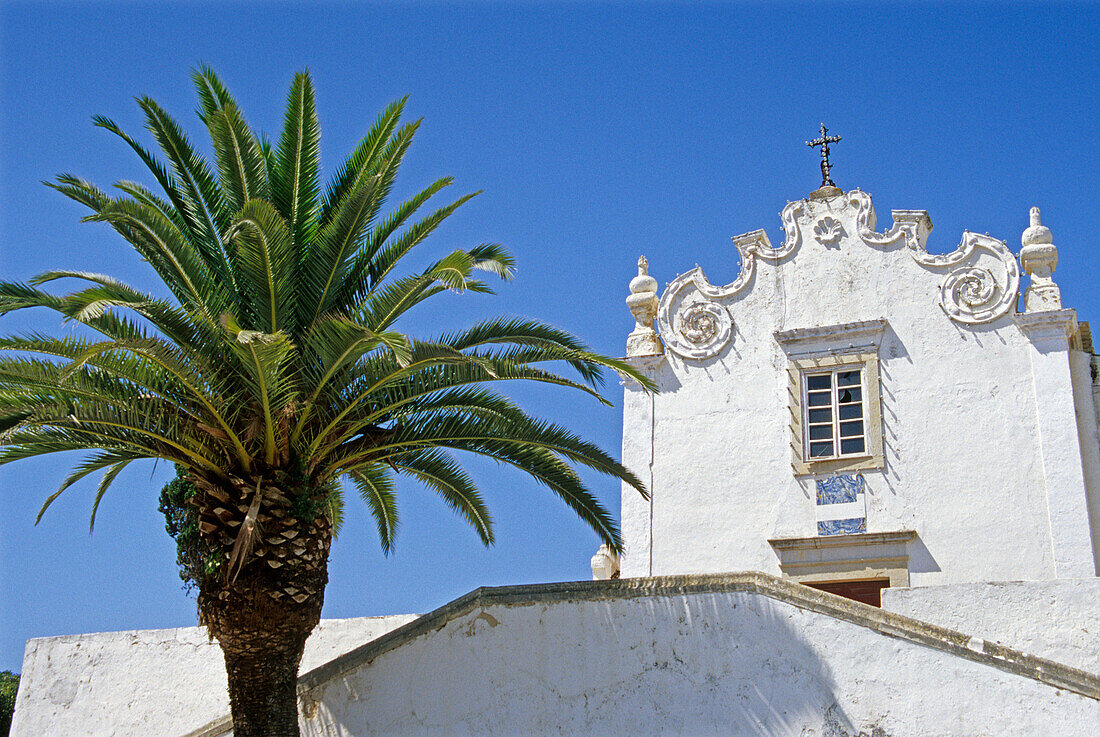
x: 1034, y: 323
x: 868, y: 331
x: 842, y: 541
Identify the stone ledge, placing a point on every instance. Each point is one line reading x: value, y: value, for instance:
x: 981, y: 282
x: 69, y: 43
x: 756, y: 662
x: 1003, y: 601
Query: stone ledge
x: 868, y: 330
x: 217, y: 728
x: 887, y: 623
x: 1054, y: 321
x: 842, y: 541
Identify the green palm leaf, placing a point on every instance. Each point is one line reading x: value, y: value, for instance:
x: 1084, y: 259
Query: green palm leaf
x: 241, y: 167
x: 294, y: 185
x: 264, y: 245
x: 377, y: 489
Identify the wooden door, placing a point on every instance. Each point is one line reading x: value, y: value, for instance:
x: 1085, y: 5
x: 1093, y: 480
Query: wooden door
x: 867, y: 591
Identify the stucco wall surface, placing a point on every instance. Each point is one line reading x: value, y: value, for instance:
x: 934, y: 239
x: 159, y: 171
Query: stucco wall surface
x: 1058, y: 620
x: 722, y: 663
x: 962, y: 408
x: 1089, y: 433
x: 148, y: 683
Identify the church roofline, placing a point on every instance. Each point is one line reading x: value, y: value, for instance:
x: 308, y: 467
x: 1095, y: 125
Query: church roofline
x: 693, y: 317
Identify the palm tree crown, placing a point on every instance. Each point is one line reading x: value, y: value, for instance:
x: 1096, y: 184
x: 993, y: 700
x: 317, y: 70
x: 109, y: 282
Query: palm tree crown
x: 279, y: 368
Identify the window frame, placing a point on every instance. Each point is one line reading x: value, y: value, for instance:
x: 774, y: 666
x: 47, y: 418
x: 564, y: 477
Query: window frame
x: 836, y: 420
x: 830, y: 348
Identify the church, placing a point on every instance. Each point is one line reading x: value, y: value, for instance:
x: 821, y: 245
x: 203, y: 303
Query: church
x: 875, y: 512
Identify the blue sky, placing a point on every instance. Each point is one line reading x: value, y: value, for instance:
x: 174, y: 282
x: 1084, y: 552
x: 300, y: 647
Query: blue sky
x: 597, y: 132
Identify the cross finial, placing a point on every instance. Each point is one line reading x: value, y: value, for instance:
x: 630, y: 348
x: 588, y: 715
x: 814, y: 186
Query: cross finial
x: 824, y: 142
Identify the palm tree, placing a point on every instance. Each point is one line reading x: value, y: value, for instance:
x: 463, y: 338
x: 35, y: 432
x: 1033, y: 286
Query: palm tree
x: 277, y: 372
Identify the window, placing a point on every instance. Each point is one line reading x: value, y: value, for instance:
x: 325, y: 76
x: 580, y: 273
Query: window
x: 834, y: 395
x: 834, y: 413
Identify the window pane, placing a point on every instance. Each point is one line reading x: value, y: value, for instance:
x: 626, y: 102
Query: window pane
x: 818, y: 399
x: 821, y: 432
x: 847, y: 378
x: 819, y: 381
x: 851, y: 428
x: 852, y: 445
x: 821, y: 415
x: 821, y: 450
x: 850, y: 395
x: 851, y: 412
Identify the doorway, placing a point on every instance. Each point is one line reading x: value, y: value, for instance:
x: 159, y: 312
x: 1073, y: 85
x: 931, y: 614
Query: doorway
x: 868, y: 591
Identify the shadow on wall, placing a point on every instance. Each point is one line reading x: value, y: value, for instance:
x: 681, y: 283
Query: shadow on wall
x: 920, y: 558
x: 762, y: 678
x: 700, y: 664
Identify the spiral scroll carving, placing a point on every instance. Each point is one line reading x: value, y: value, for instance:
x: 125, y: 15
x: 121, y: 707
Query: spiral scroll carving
x: 970, y: 295
x: 981, y: 282
x: 702, y: 329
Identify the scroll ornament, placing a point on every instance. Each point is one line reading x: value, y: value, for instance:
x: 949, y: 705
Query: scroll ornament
x: 702, y: 329
x: 693, y: 319
x: 968, y: 294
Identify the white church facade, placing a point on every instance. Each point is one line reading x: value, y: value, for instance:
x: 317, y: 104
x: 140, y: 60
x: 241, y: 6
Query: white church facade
x: 855, y: 407
x: 874, y: 512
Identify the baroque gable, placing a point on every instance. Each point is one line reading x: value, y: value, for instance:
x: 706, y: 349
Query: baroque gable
x: 978, y: 282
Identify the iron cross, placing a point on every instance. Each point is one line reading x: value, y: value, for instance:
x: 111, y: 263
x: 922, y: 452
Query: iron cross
x: 824, y: 142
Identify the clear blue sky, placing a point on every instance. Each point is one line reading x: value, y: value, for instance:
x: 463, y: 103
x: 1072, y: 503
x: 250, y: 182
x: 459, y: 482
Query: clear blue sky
x: 598, y: 133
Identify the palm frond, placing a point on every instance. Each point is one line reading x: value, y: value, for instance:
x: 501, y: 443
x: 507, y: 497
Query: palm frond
x: 203, y: 203
x: 266, y: 358
x: 213, y: 95
x: 378, y: 257
x: 85, y: 468
x: 375, y: 485
x: 242, y: 170
x: 109, y: 477
x: 441, y: 473
x: 166, y: 249
x: 266, y: 260
x: 362, y: 158
x: 79, y: 190
x: 295, y: 189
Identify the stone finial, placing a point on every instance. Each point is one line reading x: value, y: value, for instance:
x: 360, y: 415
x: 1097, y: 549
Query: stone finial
x: 642, y: 302
x: 1039, y: 258
x: 605, y: 564
x: 1036, y: 232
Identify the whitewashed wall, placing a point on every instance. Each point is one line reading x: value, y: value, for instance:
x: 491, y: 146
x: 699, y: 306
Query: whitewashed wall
x: 1058, y: 620
x: 982, y: 455
x: 694, y: 663
x: 148, y: 682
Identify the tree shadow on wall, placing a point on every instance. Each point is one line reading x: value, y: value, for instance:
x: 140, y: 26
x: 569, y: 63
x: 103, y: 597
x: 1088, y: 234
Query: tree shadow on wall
x: 694, y: 664
x: 718, y: 664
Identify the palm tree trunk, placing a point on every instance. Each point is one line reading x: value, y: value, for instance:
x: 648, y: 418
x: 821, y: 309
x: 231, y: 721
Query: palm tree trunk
x: 262, y: 694
x: 262, y: 640
x: 262, y: 609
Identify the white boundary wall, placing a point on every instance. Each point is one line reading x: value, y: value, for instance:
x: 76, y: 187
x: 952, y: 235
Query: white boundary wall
x: 148, y: 683
x: 1058, y: 620
x: 697, y: 663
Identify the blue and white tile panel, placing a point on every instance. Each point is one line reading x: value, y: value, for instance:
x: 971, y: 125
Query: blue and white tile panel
x: 841, y: 505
